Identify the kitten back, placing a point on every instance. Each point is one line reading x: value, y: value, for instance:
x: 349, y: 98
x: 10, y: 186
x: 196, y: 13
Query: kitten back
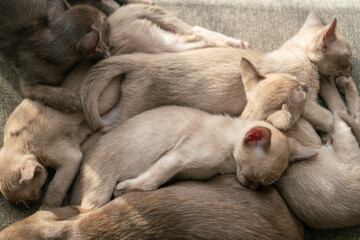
x: 17, y: 14
x: 19, y: 19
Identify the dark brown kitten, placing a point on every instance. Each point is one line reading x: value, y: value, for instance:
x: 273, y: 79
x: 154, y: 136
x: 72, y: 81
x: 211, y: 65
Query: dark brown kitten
x: 44, y: 39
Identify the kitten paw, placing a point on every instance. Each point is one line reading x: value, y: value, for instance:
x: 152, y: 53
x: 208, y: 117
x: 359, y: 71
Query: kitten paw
x: 237, y: 43
x: 118, y: 193
x: 70, y: 102
x: 122, y: 187
x: 133, y: 184
x: 73, y: 107
x: 216, y: 39
x: 194, y: 38
x: 346, y: 83
x: 281, y: 119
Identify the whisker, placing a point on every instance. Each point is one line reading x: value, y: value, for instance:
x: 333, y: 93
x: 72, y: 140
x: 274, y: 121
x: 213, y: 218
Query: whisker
x: 25, y: 204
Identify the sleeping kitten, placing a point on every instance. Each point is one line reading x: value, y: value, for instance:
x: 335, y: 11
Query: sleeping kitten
x: 150, y: 29
x: 314, y: 49
x: 227, y: 209
x: 182, y: 143
x: 208, y: 79
x: 35, y: 137
x: 190, y: 80
x: 44, y: 39
x: 324, y: 192
x: 32, y: 126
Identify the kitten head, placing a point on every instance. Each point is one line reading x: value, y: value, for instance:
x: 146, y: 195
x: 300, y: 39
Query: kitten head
x: 264, y: 153
x: 84, y: 27
x: 328, y: 49
x: 276, y: 98
x: 21, y: 176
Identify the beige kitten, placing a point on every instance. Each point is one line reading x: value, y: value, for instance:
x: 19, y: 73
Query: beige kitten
x: 35, y: 137
x: 278, y: 100
x: 151, y: 29
x: 190, y: 80
x: 324, y: 192
x: 209, y: 80
x: 182, y: 143
x: 314, y: 49
x: 223, y: 210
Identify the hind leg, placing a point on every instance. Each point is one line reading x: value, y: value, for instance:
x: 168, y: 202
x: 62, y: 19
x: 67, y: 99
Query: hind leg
x: 68, y: 161
x: 92, y: 189
x: 144, y: 36
x: 344, y: 142
x: 220, y: 40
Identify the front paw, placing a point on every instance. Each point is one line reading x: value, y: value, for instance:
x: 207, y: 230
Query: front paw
x: 122, y: 187
x: 346, y: 83
x: 66, y: 101
x: 73, y: 105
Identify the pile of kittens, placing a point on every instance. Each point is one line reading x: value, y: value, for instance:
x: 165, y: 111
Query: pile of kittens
x: 138, y: 99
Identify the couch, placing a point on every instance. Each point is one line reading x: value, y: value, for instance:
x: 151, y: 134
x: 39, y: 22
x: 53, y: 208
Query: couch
x: 266, y: 24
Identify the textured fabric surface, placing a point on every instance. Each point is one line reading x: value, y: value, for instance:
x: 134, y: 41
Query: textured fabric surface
x: 266, y: 24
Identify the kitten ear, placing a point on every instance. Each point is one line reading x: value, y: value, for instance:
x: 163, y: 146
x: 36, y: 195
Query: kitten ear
x: 330, y: 33
x: 258, y: 137
x: 29, y: 167
x: 56, y: 8
x: 250, y: 75
x: 313, y: 19
x: 300, y: 152
x: 88, y: 43
x: 281, y: 119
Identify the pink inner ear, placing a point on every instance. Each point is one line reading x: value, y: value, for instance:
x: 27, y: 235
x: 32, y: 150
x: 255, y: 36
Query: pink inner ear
x: 258, y: 136
x: 330, y: 33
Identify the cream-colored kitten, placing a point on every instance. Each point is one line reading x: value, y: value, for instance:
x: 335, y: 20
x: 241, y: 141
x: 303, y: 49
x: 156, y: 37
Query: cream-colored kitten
x: 324, y: 192
x: 190, y: 80
x: 208, y: 79
x: 37, y: 136
x: 151, y: 29
x: 182, y: 143
x: 315, y: 49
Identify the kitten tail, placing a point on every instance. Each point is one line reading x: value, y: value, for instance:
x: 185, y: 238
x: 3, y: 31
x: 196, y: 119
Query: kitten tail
x: 96, y: 81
